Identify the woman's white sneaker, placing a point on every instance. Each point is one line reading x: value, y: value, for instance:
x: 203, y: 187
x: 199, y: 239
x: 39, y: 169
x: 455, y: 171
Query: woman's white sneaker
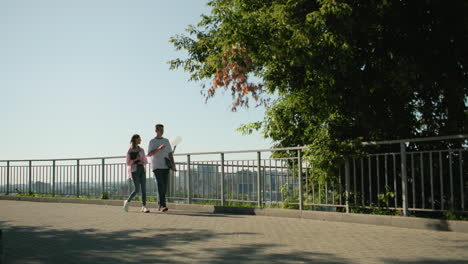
x: 125, y: 206
x: 144, y: 209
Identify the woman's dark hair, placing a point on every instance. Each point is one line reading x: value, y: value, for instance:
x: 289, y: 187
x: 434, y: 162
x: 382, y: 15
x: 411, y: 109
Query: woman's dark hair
x: 133, y: 143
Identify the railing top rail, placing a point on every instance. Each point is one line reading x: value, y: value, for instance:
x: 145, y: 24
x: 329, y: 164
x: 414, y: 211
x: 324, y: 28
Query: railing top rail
x: 66, y: 159
x: 461, y: 136
x: 177, y: 154
x: 242, y: 151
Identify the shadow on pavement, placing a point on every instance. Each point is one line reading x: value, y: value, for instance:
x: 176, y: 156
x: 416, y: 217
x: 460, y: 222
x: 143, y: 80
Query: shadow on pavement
x: 460, y: 244
x: 425, y: 261
x: 30, y: 244
x: 26, y: 244
x: 441, y: 225
x: 254, y: 253
x: 197, y: 214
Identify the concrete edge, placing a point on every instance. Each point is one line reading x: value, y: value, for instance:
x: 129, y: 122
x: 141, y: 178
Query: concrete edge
x: 187, y: 207
x: 382, y: 220
x: 393, y: 221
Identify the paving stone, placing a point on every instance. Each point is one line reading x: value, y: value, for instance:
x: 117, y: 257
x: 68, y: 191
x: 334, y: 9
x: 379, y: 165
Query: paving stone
x: 36, y: 232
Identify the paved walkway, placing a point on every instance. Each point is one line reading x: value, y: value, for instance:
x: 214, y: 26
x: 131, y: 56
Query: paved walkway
x: 36, y: 232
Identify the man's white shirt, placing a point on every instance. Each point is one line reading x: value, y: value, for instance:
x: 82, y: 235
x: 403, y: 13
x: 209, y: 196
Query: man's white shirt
x: 157, y: 160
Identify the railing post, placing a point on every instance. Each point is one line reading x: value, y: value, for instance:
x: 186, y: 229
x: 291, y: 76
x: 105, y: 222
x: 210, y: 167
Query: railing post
x: 53, y: 178
x: 347, y: 182
x: 8, y: 178
x: 404, y: 179
x: 189, y: 181
x: 222, y: 179
x: 103, y: 177
x: 30, y: 177
x: 299, y: 174
x: 77, y: 178
x: 259, y: 197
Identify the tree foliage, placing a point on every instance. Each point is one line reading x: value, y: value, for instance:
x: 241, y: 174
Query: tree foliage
x: 342, y: 70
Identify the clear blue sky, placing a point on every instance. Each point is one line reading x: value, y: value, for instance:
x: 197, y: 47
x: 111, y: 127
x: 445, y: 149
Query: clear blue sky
x: 78, y: 78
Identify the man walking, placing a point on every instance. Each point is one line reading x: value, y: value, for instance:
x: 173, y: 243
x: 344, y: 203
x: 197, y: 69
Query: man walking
x: 160, y: 152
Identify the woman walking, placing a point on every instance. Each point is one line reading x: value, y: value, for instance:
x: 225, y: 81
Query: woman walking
x: 136, y: 161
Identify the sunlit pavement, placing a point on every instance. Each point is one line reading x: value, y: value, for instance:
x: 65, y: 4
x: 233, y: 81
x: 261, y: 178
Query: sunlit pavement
x: 35, y: 232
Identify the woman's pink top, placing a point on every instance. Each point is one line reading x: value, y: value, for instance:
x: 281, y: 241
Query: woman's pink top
x: 131, y: 166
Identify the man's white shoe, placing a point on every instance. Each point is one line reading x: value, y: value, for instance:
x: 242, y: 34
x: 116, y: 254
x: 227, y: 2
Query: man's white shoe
x: 144, y: 209
x: 125, y: 206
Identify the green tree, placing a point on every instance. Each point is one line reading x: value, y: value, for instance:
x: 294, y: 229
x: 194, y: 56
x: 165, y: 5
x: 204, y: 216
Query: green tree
x: 341, y: 71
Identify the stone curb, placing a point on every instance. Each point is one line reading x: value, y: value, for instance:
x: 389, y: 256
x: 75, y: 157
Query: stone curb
x: 383, y: 220
x: 151, y: 205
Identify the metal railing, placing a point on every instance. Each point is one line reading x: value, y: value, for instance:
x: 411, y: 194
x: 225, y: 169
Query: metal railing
x: 411, y: 179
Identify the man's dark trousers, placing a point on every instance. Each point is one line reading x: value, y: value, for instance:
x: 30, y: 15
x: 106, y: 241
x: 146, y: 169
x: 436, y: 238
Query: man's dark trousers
x: 162, y: 177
